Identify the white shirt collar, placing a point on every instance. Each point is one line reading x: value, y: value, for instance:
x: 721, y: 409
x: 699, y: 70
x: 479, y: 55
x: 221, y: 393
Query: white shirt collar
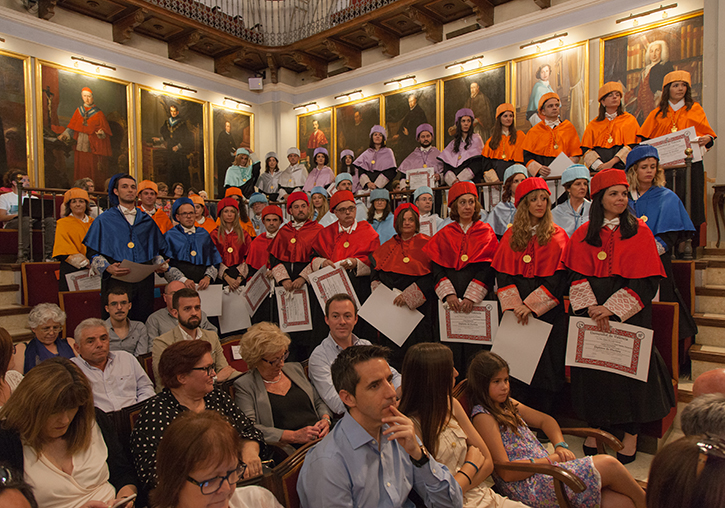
x: 127, y: 211
x: 551, y: 124
x: 505, y: 131
x: 610, y: 116
x: 298, y: 225
x: 271, y: 235
x: 189, y: 231
x: 426, y: 149
x: 349, y: 230
x: 611, y: 223
x: 189, y: 337
x: 676, y: 107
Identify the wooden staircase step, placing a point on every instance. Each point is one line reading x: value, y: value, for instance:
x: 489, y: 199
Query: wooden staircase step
x: 684, y: 392
x: 706, y: 319
x: 20, y: 334
x: 7, y: 288
x: 14, y: 310
x: 710, y: 290
x: 706, y: 357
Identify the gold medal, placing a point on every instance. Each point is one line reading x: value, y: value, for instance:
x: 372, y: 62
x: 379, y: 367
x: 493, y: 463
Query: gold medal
x: 459, y: 157
x: 294, y: 240
x: 556, y: 147
x: 425, y: 165
x: 131, y: 245
x: 503, y: 156
x: 406, y: 259
x: 644, y: 218
x: 464, y: 258
x: 602, y: 255
x: 674, y: 128
x: 230, y: 250
x: 527, y: 259
x: 346, y: 244
x: 508, y: 225
x: 610, y: 139
x: 372, y: 162
x: 193, y: 253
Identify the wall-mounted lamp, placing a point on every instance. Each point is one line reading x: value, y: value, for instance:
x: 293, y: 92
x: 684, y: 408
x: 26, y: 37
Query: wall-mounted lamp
x: 661, y: 8
x: 545, y: 39
x: 179, y: 89
x: 306, y: 108
x: 401, y: 82
x: 350, y: 96
x: 2, y: 40
x: 234, y: 103
x: 468, y: 64
x: 78, y: 60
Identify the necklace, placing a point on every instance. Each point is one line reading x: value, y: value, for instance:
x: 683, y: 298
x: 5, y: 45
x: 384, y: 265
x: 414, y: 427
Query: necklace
x: 279, y: 378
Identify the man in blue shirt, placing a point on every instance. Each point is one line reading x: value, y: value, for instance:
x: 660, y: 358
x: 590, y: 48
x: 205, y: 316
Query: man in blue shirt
x: 372, y: 457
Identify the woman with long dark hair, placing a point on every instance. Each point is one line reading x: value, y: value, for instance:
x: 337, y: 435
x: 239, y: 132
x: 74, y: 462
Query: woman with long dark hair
x: 502, y: 215
x: 530, y: 282
x: 321, y: 175
x: 609, y: 137
x: 268, y: 182
x: 380, y: 216
x: 232, y: 244
x: 614, y: 272
x: 504, y: 147
x: 677, y: 111
x: 442, y: 425
x: 572, y: 209
x: 376, y: 166
x: 462, y: 159
x: 347, y: 157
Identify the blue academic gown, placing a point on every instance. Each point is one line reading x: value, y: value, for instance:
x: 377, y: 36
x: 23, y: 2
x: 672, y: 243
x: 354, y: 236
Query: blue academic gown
x: 501, y: 217
x: 384, y: 228
x: 181, y: 246
x: 567, y: 219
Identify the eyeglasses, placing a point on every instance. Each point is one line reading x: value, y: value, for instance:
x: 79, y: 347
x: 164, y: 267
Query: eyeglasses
x: 209, y: 370
x: 349, y: 209
x: 212, y: 485
x: 710, y: 446
x: 48, y: 329
x: 185, y: 214
x: 279, y: 360
x: 5, y: 476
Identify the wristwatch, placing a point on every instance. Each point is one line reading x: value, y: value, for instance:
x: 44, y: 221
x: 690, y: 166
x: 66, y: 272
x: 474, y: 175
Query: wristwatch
x: 424, y: 458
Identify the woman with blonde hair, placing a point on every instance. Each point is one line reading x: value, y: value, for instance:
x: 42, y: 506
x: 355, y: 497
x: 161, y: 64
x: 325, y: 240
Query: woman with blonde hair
x: 68, y: 451
x: 277, y: 395
x: 531, y: 283
x: 232, y: 244
x: 320, y: 207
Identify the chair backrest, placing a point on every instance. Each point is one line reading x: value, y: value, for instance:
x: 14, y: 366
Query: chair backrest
x: 227, y: 344
x: 147, y: 363
x: 125, y: 420
x: 42, y: 278
x: 79, y: 305
x: 460, y: 393
x: 288, y: 472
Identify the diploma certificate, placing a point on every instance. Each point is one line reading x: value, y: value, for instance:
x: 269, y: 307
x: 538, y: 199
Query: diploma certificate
x: 422, y: 177
x: 83, y: 281
x: 623, y: 350
x: 671, y: 147
x: 330, y: 281
x: 138, y: 271
x: 257, y: 290
x: 478, y: 327
x: 294, y: 310
x: 234, y: 316
x: 397, y: 323
x: 428, y: 226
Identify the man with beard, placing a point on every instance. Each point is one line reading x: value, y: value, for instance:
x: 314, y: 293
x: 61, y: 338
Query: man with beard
x: 124, y: 334
x: 186, y: 307
x: 424, y: 156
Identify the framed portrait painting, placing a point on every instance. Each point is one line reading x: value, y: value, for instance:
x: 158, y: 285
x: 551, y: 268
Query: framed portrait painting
x: 641, y: 57
x: 563, y: 71
x: 481, y: 90
x: 83, y: 122
x: 353, y: 122
x: 231, y: 129
x: 172, y: 143
x: 314, y: 130
x: 405, y: 110
x: 15, y: 111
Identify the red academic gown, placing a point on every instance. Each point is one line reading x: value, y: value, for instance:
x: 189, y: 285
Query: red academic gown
x: 87, y: 164
x: 543, y: 144
x: 625, y: 281
x: 534, y: 277
x: 232, y: 249
x: 257, y: 257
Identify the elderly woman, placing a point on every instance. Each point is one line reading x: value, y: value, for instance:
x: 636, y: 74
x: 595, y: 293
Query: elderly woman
x: 46, y: 320
x: 276, y: 395
x: 244, y: 173
x: 69, y: 452
x: 69, y: 234
x: 9, y: 378
x: 187, y: 372
x: 572, y: 209
x: 200, y: 462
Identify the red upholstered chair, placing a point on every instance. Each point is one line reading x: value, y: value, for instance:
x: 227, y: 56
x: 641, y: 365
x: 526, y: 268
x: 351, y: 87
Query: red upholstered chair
x: 79, y: 305
x: 227, y: 345
x: 40, y: 283
x: 125, y: 420
x: 286, y: 475
x: 147, y: 363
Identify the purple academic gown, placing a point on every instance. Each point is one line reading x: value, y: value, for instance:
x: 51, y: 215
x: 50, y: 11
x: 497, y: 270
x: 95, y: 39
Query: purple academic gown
x: 420, y: 159
x: 378, y: 167
x: 466, y: 165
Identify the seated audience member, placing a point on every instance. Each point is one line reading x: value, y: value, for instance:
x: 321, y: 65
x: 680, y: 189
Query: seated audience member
x: 244, y: 220
x: 125, y: 334
x: 276, y: 395
x: 319, y: 204
x: 344, y: 181
x: 14, y: 492
x: 194, y: 258
x: 199, y: 463
x: 201, y: 214
x: 186, y: 372
x: 380, y: 214
x: 9, y: 216
x: 147, y: 194
x: 504, y: 425
x: 69, y: 452
x: 712, y: 381
x: 688, y: 473
x: 163, y: 320
x: 9, y: 378
x: 705, y: 414
x: 69, y: 233
x: 372, y: 457
x: 117, y: 378
x: 46, y: 321
x: 257, y: 202
x: 186, y: 307
x: 341, y: 317
x: 87, y: 185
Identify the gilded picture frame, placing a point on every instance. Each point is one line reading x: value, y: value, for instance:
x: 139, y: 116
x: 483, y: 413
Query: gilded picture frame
x: 315, y: 129
x: 353, y: 122
x: 77, y: 139
x: 224, y: 143
x: 16, y: 109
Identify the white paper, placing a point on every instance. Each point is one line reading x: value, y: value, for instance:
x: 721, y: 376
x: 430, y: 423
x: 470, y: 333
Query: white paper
x: 83, y: 281
x: 557, y: 167
x: 397, y: 323
x: 422, y: 177
x: 138, y: 271
x: 257, y: 289
x: 211, y: 299
x: 428, y: 226
x: 234, y: 316
x: 236, y: 355
x: 477, y: 327
x: 671, y: 147
x: 521, y: 345
x: 330, y: 281
x: 295, y: 313
x: 624, y: 350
